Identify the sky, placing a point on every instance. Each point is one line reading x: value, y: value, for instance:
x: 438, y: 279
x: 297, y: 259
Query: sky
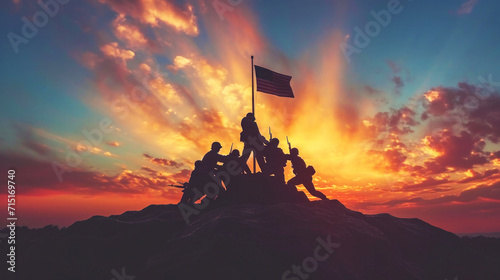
x: 397, y: 106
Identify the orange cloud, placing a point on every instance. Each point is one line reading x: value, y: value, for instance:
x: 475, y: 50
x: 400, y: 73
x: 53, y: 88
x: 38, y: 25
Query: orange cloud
x: 113, y: 50
x: 113, y: 144
x: 162, y: 161
x: 156, y: 12
x: 471, y: 175
x: 129, y: 33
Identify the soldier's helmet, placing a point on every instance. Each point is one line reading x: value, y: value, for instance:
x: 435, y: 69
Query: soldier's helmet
x: 235, y: 153
x: 251, y: 116
x: 294, y: 152
x: 274, y: 142
x: 197, y: 164
x: 216, y: 146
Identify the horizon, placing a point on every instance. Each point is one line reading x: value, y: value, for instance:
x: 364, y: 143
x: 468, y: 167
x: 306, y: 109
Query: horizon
x: 459, y: 234
x: 396, y: 102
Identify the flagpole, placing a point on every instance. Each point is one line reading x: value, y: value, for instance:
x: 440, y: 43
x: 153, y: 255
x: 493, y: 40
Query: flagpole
x: 253, y: 112
x: 253, y: 92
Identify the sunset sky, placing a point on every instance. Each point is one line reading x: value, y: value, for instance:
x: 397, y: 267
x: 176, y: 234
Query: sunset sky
x: 407, y: 123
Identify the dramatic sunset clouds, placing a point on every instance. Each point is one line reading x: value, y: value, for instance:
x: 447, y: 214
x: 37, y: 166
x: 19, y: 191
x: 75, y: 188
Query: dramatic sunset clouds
x: 113, y: 100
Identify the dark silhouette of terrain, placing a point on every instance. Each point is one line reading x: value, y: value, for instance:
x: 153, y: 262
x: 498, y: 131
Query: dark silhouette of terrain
x: 240, y: 237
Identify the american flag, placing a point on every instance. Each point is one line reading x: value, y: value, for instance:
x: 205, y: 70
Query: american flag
x: 273, y: 83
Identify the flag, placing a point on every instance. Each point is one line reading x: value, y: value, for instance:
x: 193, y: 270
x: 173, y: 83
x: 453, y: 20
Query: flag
x: 273, y: 83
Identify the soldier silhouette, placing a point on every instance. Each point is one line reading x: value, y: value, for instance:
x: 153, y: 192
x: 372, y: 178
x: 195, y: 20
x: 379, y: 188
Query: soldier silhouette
x: 235, y: 155
x: 253, y: 140
x: 212, y: 158
x: 275, y: 160
x: 196, y: 181
x: 210, y: 165
x: 303, y: 174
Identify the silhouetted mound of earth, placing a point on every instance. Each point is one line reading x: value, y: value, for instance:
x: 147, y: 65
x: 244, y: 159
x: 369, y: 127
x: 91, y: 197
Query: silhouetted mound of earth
x: 253, y: 241
x: 258, y: 189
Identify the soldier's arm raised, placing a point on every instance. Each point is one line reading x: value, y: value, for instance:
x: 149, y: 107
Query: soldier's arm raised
x: 222, y: 158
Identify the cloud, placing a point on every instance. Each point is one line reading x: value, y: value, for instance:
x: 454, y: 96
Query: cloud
x: 39, y: 176
x: 398, y: 82
x: 182, y: 176
x: 466, y: 212
x: 460, y: 152
x: 385, y: 129
x: 399, y: 122
x: 495, y: 155
x: 455, y: 134
x: 371, y: 90
x: 30, y: 141
x: 437, y: 189
x: 133, y: 34
x: 460, y: 107
x: 485, y: 120
x: 443, y: 100
x: 113, y: 144
x: 425, y: 184
x: 488, y: 192
x: 152, y: 172
x: 184, y: 104
x: 473, y: 195
x: 472, y: 175
x: 467, y: 7
x: 156, y: 12
x: 112, y: 50
x: 162, y: 161
x: 397, y: 78
x: 394, y: 66
x: 391, y: 158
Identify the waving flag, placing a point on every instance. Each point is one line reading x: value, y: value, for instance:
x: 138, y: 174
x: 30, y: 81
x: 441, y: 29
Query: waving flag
x: 273, y: 83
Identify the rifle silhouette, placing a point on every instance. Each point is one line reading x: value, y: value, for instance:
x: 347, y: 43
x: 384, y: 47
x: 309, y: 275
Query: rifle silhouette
x: 289, y: 145
x: 270, y: 134
x: 178, y: 186
x: 230, y: 151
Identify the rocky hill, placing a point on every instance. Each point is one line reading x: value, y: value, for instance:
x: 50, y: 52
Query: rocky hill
x: 250, y: 240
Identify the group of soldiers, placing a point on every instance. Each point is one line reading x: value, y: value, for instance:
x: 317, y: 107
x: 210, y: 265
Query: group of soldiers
x: 271, y: 159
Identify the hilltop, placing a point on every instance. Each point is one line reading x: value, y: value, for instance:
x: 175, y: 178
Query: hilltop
x: 252, y: 240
